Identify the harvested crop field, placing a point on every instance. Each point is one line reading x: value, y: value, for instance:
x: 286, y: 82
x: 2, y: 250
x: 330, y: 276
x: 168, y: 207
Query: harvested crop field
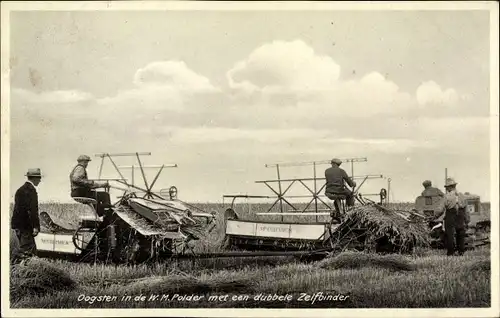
x: 350, y: 279
x: 423, y: 279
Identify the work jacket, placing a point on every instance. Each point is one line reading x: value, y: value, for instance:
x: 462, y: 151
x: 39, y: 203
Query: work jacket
x: 456, y: 213
x: 335, y: 178
x: 25, y: 213
x: 80, y: 181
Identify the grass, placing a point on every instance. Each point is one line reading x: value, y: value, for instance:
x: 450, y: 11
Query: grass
x: 425, y: 279
x: 370, y: 280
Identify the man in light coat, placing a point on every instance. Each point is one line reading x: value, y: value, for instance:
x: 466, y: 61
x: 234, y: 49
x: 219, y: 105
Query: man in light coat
x: 456, y: 218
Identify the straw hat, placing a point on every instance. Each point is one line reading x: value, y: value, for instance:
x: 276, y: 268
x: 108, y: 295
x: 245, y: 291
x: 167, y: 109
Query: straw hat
x: 35, y: 172
x: 450, y: 182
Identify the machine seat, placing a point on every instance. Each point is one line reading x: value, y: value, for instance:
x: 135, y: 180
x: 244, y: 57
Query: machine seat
x: 85, y: 200
x: 336, y: 196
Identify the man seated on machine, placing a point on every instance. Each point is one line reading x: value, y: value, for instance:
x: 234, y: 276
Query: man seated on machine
x: 336, y: 178
x: 81, y: 186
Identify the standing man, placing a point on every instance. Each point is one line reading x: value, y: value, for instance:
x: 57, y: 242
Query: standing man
x: 455, y: 219
x: 336, y: 178
x: 430, y: 191
x: 81, y: 186
x: 25, y: 220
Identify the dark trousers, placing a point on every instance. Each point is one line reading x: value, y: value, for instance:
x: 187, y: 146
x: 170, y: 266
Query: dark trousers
x: 454, y: 230
x: 102, y: 198
x: 349, y: 197
x: 27, y: 245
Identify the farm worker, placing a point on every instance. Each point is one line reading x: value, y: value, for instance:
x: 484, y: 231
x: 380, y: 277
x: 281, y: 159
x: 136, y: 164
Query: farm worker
x: 455, y: 218
x: 172, y: 193
x: 25, y: 220
x: 81, y: 186
x: 430, y: 191
x: 336, y: 178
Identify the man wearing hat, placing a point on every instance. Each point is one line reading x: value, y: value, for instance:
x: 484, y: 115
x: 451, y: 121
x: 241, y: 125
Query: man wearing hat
x: 81, y: 186
x: 25, y: 220
x: 336, y: 178
x: 430, y: 191
x: 455, y: 219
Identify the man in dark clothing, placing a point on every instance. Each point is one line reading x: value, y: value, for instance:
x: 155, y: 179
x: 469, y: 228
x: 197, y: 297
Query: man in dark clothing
x: 336, y: 178
x: 430, y: 191
x: 25, y: 220
x: 456, y: 218
x: 81, y: 186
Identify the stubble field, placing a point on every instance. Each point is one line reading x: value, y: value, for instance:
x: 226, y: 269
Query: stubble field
x: 427, y: 278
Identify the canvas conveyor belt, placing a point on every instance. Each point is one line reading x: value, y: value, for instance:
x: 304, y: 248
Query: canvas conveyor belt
x: 142, y: 225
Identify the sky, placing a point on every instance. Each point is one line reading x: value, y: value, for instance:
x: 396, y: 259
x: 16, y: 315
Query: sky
x: 223, y: 93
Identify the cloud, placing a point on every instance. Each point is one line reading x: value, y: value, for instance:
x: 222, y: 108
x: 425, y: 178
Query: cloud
x: 161, y: 89
x: 372, y: 94
x: 283, y: 92
x: 292, y: 74
x: 172, y: 74
x: 50, y: 108
x: 431, y: 93
x: 148, y: 98
x: 277, y: 86
x: 291, y: 65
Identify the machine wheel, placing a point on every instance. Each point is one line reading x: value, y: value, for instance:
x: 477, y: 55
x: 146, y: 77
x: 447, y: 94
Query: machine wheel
x: 79, y: 240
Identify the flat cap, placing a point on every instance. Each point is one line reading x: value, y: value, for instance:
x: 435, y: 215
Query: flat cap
x: 83, y: 158
x: 336, y: 161
x: 450, y: 182
x: 35, y: 172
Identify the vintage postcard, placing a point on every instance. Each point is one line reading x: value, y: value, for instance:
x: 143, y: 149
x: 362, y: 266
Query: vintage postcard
x: 250, y: 159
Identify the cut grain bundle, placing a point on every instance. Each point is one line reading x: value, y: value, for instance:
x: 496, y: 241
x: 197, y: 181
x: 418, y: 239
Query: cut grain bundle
x: 14, y: 246
x: 38, y: 277
x: 179, y: 284
x: 356, y: 260
x: 388, y: 230
x: 483, y: 265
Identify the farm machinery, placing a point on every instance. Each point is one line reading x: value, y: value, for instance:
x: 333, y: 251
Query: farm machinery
x: 477, y: 230
x: 141, y: 226
x: 318, y: 225
x: 148, y: 226
x: 368, y: 226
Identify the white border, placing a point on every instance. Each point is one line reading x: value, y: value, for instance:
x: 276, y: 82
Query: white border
x: 7, y: 7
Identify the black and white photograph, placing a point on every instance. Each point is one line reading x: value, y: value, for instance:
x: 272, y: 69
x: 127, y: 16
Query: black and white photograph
x: 256, y: 159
